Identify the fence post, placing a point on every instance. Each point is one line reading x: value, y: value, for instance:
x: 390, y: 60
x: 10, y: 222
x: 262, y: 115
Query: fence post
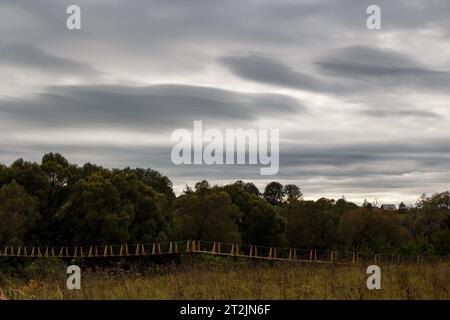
x: 137, y: 250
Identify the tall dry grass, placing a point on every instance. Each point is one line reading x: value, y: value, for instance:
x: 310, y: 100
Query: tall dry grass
x: 223, y: 279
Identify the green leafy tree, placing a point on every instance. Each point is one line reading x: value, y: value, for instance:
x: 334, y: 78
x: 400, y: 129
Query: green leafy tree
x: 261, y: 224
x: 251, y: 189
x: 59, y: 173
x: 365, y: 229
x: 206, y: 215
x: 433, y: 214
x: 440, y: 240
x: 292, y: 192
x: 274, y: 193
x: 94, y: 213
x: 18, y: 213
x: 156, y: 181
x: 31, y: 177
x: 402, y: 208
x: 113, y: 207
x: 341, y: 206
x: 310, y: 224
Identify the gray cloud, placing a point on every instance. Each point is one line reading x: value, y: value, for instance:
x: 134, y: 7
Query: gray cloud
x: 327, y: 169
x: 386, y: 112
x: 382, y: 67
x: 370, y: 113
x: 29, y: 56
x: 426, y: 151
x: 363, y: 68
x: 270, y: 71
x: 158, y: 106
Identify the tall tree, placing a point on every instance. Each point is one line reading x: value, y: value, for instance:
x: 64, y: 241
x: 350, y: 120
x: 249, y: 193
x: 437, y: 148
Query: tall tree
x: 18, y: 213
x: 250, y: 188
x: 206, y: 215
x: 113, y: 207
x: 274, y: 193
x: 59, y: 173
x: 261, y: 224
x: 292, y: 192
x: 310, y: 224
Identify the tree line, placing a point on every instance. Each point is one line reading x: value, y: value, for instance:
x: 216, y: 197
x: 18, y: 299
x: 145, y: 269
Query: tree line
x: 55, y: 202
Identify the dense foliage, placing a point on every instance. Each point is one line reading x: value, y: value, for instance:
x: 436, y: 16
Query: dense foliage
x: 56, y: 202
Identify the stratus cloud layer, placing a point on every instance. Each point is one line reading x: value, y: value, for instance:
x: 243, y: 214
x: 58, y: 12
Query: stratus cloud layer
x: 362, y: 113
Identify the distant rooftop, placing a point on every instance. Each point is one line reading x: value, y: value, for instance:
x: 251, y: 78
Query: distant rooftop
x: 388, y: 207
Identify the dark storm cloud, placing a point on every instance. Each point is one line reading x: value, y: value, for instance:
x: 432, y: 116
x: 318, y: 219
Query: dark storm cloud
x: 159, y: 106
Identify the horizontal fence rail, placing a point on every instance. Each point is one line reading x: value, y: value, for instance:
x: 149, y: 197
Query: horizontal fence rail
x: 209, y: 247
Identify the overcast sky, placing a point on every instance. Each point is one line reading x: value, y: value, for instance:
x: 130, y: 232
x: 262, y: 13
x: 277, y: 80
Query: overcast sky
x: 361, y: 113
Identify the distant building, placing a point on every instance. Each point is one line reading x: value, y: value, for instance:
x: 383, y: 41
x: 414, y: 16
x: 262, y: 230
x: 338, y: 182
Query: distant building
x: 388, y: 207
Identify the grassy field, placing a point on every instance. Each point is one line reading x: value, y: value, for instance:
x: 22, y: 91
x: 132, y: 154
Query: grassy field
x: 221, y: 279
